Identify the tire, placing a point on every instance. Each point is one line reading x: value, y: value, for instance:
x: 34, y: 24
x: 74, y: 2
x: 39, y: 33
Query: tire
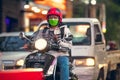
x: 101, y: 74
x: 114, y: 74
x: 118, y: 73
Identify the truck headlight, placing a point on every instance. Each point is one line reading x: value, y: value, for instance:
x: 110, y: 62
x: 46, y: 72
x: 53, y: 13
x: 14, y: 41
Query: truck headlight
x: 20, y: 62
x: 84, y: 62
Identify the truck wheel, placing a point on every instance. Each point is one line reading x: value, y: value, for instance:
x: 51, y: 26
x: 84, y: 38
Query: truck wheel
x: 118, y: 73
x: 112, y: 75
x: 115, y: 74
x: 101, y: 74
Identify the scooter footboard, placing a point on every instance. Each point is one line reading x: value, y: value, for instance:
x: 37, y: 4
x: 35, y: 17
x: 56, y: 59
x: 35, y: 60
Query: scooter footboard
x: 22, y: 74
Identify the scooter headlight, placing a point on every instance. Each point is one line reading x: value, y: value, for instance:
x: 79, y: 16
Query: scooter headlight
x: 41, y: 44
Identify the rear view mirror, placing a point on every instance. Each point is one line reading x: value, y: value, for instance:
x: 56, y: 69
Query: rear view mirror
x: 22, y: 35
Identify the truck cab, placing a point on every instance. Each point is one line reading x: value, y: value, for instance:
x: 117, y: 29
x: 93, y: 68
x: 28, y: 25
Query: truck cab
x: 88, y: 47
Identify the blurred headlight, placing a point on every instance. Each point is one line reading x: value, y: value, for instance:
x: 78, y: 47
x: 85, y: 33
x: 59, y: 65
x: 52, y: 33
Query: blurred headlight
x: 20, y: 62
x: 40, y: 44
x: 84, y: 62
x: 90, y: 62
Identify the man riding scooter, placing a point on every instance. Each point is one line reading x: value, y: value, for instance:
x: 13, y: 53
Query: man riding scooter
x: 57, y: 31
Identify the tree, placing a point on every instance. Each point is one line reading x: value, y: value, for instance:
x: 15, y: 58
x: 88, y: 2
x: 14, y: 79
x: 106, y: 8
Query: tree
x: 113, y: 20
x: 78, y: 9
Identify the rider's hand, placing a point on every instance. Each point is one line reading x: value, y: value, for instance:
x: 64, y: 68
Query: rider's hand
x: 64, y: 44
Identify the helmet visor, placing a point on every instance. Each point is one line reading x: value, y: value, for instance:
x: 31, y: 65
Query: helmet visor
x: 53, y: 22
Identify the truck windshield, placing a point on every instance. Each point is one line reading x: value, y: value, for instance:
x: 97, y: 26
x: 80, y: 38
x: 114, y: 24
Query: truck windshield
x: 81, y: 32
x: 12, y: 43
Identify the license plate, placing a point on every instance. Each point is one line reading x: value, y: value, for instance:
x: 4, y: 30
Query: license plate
x: 8, y: 61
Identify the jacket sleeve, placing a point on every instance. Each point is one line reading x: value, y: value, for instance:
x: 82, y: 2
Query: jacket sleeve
x: 67, y: 41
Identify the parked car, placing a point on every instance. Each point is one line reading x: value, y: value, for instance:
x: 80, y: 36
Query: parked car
x: 12, y: 50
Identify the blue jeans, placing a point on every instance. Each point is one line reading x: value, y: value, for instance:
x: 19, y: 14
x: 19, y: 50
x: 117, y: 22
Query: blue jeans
x: 63, y: 63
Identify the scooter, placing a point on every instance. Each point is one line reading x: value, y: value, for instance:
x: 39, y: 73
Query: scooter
x: 40, y: 64
x: 41, y: 58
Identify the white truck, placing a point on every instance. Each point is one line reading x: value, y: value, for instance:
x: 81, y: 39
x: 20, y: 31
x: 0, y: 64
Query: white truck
x: 90, y: 58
